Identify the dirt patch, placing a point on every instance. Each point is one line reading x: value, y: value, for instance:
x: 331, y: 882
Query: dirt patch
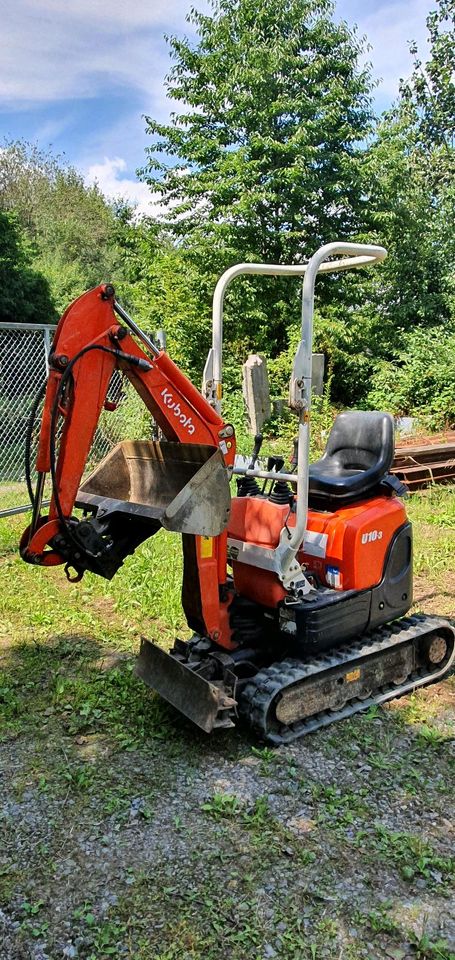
x: 436, y: 597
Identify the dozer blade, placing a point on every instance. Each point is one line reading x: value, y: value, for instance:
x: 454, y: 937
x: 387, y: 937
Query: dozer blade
x: 208, y: 705
x: 182, y: 486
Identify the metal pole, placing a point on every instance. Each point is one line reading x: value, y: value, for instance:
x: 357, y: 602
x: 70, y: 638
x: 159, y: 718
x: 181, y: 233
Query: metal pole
x: 354, y: 253
x: 25, y: 508
x: 135, y: 329
x: 47, y: 349
x: 265, y: 474
x: 215, y: 359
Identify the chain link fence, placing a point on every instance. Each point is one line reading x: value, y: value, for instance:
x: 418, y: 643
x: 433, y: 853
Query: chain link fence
x: 24, y: 349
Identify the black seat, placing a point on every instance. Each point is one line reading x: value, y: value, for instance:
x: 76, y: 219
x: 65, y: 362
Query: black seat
x: 358, y: 456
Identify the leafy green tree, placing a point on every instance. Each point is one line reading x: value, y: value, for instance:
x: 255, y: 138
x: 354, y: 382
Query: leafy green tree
x: 73, y: 230
x: 411, y: 168
x: 409, y: 180
x: 406, y: 211
x: 160, y: 286
x: 431, y: 89
x: 24, y: 292
x: 261, y: 161
x: 421, y: 378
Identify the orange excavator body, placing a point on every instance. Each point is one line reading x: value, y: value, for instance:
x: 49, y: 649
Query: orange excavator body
x: 353, y: 541
x: 88, y: 346
x: 284, y: 585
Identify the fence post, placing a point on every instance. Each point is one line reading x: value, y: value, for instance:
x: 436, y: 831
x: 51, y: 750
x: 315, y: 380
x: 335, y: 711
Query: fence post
x: 47, y: 349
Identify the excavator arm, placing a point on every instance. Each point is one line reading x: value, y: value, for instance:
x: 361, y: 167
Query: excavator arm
x: 181, y: 483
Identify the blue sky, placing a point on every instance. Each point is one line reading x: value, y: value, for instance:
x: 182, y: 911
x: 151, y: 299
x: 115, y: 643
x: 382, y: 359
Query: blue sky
x: 78, y: 75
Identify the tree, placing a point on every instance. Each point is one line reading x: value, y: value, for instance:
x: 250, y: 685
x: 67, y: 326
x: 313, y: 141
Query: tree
x: 24, y: 292
x: 159, y: 286
x: 431, y: 89
x: 411, y: 168
x: 71, y: 228
x: 262, y: 160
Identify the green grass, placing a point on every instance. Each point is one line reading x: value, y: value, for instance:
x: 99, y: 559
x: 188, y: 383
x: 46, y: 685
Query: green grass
x: 432, y: 513
x: 435, y: 506
x: 54, y: 635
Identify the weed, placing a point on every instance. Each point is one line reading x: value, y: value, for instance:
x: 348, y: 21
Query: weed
x: 117, y: 801
x: 341, y: 808
x: 379, y: 919
x: 429, y: 735
x: 31, y: 909
x: 259, y: 815
x: 222, y: 806
x: 85, y: 914
x: 267, y: 757
x: 106, y: 940
x: 32, y: 924
x: 428, y: 949
x: 79, y: 778
x: 413, y: 856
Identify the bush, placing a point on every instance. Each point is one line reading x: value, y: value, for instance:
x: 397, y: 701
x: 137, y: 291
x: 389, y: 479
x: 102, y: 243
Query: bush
x: 421, y: 379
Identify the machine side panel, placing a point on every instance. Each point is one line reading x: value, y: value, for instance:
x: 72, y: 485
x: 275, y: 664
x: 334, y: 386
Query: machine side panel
x: 345, y: 550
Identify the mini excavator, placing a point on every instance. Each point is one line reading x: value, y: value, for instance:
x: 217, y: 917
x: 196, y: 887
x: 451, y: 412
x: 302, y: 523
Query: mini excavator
x: 296, y: 589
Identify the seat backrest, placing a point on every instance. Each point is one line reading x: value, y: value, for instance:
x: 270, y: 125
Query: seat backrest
x: 361, y: 439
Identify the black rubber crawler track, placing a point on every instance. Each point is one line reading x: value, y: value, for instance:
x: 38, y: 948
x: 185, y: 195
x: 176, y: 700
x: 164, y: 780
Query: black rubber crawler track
x: 258, y: 698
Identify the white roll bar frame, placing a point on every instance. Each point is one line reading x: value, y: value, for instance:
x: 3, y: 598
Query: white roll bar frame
x: 354, y: 255
x: 212, y: 378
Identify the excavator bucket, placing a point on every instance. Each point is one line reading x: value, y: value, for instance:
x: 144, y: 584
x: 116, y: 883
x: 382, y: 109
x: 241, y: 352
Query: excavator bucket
x: 183, y: 487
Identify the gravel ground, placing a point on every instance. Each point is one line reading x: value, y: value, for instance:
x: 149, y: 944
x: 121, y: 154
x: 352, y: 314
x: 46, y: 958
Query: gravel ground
x: 337, y: 846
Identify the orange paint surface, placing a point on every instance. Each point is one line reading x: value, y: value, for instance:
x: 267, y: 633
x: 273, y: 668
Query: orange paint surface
x: 358, y: 538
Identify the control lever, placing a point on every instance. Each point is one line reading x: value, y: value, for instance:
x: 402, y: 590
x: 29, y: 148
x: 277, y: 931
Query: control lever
x: 256, y: 450
x: 275, y: 463
x: 294, y: 459
x: 248, y: 486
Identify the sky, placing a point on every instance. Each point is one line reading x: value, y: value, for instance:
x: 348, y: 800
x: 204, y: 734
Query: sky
x: 78, y: 76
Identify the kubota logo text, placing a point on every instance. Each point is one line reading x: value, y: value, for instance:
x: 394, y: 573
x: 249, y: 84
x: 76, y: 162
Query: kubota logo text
x: 177, y: 411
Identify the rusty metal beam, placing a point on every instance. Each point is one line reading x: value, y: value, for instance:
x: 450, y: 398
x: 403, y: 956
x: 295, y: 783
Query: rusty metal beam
x: 425, y: 464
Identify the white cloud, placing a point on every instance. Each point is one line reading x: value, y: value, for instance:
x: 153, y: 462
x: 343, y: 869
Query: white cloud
x: 389, y: 28
x: 52, y: 51
x: 107, y: 176
x: 62, y: 51
x: 55, y: 51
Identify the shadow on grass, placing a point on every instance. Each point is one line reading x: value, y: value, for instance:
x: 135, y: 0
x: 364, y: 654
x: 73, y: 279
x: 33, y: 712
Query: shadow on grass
x: 79, y: 686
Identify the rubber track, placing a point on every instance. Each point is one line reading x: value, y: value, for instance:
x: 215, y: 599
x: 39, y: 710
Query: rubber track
x: 259, y: 693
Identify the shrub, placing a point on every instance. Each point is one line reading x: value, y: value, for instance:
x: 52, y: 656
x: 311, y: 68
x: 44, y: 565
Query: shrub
x: 421, y: 379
